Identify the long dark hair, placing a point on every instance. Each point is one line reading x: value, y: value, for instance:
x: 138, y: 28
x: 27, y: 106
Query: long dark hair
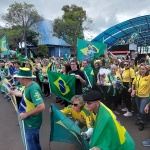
x: 68, y: 67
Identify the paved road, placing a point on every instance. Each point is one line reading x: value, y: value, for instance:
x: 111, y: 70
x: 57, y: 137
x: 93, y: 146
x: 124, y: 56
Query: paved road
x: 10, y: 138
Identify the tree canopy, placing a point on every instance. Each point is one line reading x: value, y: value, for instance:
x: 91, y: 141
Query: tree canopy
x: 14, y: 36
x: 42, y: 51
x: 19, y: 20
x: 21, y: 14
x: 71, y: 25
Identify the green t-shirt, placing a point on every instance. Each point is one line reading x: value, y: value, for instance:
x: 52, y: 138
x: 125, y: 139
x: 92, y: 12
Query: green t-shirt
x: 32, y: 96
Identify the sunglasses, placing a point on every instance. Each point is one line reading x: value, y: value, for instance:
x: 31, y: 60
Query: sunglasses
x: 75, y: 105
x: 88, y: 103
x: 126, y: 64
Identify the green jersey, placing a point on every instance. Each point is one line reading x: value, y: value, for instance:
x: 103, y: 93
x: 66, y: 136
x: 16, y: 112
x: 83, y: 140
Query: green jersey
x: 32, y: 96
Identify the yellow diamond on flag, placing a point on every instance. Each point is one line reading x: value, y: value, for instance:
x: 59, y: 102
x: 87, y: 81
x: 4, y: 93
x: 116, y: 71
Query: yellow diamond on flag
x: 85, y: 50
x: 3, y: 47
x: 61, y: 85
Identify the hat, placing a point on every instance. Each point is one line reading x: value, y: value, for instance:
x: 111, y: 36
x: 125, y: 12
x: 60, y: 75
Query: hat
x: 92, y: 96
x: 24, y: 73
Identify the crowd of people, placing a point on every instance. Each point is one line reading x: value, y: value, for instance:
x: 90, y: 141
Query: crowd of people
x: 121, y: 83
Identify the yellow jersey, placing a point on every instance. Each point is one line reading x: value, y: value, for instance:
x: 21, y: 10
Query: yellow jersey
x: 83, y: 116
x: 142, y: 85
x: 127, y: 75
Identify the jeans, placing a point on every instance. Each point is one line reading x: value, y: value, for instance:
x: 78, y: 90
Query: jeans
x: 141, y: 103
x: 32, y: 139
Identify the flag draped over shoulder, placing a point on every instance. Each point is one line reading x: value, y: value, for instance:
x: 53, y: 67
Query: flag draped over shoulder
x: 64, y: 129
x: 89, y: 50
x: 108, y: 133
x: 89, y: 73
x: 4, y: 46
x: 62, y: 85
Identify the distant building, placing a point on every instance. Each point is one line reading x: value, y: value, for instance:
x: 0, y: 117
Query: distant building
x: 57, y: 47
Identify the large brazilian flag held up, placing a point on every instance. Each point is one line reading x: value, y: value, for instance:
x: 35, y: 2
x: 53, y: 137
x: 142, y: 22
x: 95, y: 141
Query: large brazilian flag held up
x: 65, y: 130
x: 108, y: 133
x: 4, y: 46
x: 89, y: 50
x: 62, y: 85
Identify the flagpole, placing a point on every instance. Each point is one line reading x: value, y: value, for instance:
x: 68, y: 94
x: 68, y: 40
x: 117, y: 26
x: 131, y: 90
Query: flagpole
x: 49, y: 84
x: 59, y: 52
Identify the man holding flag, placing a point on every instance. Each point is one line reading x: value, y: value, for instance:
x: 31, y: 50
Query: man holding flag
x: 108, y: 132
x: 31, y: 107
x: 88, y: 71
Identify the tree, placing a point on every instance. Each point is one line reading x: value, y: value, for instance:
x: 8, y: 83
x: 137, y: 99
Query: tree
x: 14, y: 36
x: 22, y: 16
x: 71, y: 25
x: 42, y: 51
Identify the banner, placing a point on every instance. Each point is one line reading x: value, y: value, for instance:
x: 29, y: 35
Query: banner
x: 90, y: 50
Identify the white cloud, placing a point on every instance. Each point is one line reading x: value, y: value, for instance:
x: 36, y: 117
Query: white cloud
x: 103, y: 13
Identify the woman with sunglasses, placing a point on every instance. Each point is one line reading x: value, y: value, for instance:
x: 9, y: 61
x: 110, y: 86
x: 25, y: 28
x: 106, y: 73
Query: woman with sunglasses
x: 128, y: 75
x: 78, y: 113
x: 141, y: 91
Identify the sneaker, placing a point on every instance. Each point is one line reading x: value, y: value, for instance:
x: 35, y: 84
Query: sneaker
x: 124, y: 109
x: 146, y: 143
x: 127, y: 114
x: 116, y: 112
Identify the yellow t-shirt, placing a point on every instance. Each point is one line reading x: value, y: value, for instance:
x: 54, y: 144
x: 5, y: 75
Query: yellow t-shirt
x: 44, y: 70
x: 127, y: 75
x: 142, y: 85
x: 83, y: 116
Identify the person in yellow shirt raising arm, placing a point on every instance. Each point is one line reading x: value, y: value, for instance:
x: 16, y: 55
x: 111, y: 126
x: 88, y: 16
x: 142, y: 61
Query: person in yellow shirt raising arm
x: 141, y: 91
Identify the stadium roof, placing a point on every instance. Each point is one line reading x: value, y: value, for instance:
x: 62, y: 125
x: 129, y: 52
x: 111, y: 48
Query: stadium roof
x: 124, y: 30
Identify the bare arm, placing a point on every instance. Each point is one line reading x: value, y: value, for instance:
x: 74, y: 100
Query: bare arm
x: 16, y: 93
x: 39, y: 108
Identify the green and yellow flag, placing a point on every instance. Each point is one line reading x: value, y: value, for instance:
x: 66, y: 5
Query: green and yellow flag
x: 89, y: 73
x: 19, y: 56
x: 4, y: 46
x: 89, y: 50
x: 65, y: 130
x: 109, y: 134
x: 62, y: 85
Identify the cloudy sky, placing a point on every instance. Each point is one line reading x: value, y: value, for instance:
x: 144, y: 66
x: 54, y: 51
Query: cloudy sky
x: 104, y: 13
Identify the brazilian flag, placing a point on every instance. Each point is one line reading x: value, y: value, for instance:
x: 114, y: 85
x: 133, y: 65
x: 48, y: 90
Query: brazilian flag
x: 89, y: 50
x: 19, y: 56
x: 65, y: 130
x: 62, y: 85
x: 108, y: 133
x: 4, y: 46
